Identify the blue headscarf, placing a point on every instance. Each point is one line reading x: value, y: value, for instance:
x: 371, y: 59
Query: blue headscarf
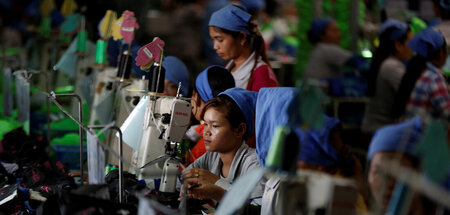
x: 398, y: 28
x: 392, y: 137
x: 231, y: 17
x: 275, y: 106
x: 319, y: 25
x: 246, y: 101
x: 202, y: 83
x: 315, y: 147
x: 254, y: 5
x: 177, y: 72
x: 426, y: 42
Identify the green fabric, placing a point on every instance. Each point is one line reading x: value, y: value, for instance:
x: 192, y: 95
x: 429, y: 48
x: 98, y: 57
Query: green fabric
x: 7, y: 126
x: 434, y: 151
x: 417, y: 25
x: 65, y: 89
x: 312, y: 101
x: 68, y: 139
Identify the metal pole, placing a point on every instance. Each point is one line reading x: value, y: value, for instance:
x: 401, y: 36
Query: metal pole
x: 80, y: 129
x: 121, y: 188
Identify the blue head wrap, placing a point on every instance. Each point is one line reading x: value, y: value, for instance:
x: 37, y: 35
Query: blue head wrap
x: 399, y: 28
x: 392, y: 137
x: 254, y: 5
x: 315, y: 147
x: 231, y: 17
x: 319, y: 25
x: 246, y: 101
x: 177, y: 72
x: 275, y: 106
x: 202, y: 83
x: 426, y: 42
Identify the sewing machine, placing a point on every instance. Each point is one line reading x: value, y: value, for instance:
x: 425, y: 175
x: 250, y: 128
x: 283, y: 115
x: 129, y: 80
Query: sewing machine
x: 165, y: 123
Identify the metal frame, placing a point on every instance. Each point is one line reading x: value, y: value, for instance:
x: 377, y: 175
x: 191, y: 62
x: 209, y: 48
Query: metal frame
x: 80, y: 129
x: 121, y: 188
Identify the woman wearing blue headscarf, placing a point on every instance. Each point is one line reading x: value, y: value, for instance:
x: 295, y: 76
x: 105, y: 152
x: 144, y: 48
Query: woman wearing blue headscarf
x: 327, y: 58
x: 176, y: 72
x: 386, y: 72
x: 393, y: 142
x: 424, y: 90
x: 209, y: 83
x: 229, y: 121
x: 238, y: 40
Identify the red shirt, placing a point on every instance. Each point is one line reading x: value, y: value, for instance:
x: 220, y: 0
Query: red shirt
x: 262, y: 76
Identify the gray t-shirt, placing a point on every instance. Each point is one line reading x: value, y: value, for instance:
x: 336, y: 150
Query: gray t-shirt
x: 326, y: 61
x: 244, y: 160
x: 378, y: 111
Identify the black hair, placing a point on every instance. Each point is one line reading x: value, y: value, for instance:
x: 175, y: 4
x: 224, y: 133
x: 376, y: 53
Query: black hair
x: 385, y: 49
x: 255, y: 40
x: 313, y: 38
x: 233, y: 113
x: 415, y: 68
x: 220, y: 79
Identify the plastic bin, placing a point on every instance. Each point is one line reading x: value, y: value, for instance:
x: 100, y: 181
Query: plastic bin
x: 69, y: 154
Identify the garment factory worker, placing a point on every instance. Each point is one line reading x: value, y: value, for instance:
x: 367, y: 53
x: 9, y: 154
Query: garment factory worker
x: 393, y: 142
x: 209, y: 83
x: 238, y: 40
x: 176, y: 72
x: 386, y: 72
x: 229, y: 121
x: 253, y: 7
x: 424, y: 88
x: 319, y: 149
x: 326, y: 58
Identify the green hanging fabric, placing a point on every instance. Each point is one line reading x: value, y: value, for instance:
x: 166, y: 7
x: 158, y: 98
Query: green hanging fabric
x: 45, y: 27
x: 81, y: 41
x: 100, y: 52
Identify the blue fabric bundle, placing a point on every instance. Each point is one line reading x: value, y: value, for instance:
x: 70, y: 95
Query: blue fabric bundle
x: 275, y: 106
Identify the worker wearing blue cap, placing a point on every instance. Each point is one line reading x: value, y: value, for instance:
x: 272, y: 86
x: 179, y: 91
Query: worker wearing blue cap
x: 327, y: 58
x: 176, y: 72
x: 424, y: 88
x: 237, y: 40
x: 209, y: 83
x: 395, y: 141
x: 229, y: 121
x: 386, y: 72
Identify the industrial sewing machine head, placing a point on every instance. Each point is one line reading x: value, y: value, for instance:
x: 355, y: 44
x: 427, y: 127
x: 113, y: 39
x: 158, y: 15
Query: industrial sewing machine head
x: 166, y: 120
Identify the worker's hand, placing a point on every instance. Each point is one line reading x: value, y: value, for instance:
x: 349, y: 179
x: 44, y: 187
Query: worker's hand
x: 206, y: 191
x: 199, y: 176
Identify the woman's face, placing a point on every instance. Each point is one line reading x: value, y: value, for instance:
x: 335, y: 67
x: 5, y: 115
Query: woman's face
x: 218, y: 134
x: 403, y: 51
x: 197, y: 105
x: 170, y: 89
x: 225, y: 45
x: 381, y: 186
x: 332, y: 34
